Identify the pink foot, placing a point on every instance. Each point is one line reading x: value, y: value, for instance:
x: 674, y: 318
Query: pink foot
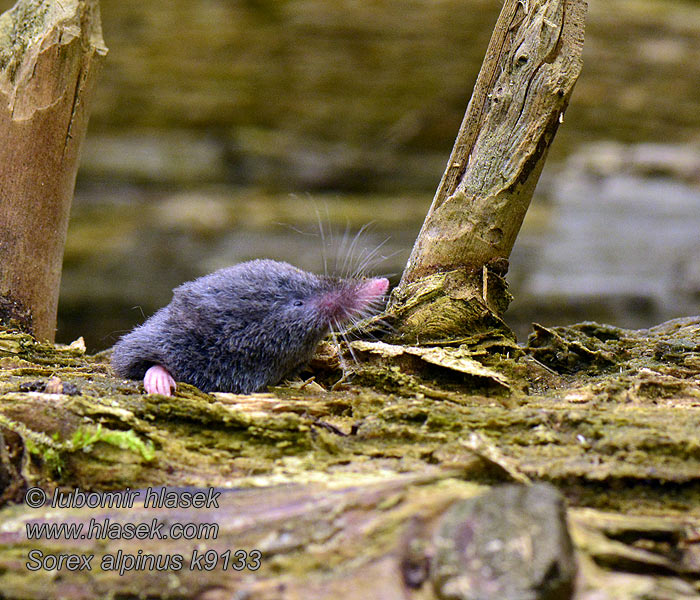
x: 157, y: 380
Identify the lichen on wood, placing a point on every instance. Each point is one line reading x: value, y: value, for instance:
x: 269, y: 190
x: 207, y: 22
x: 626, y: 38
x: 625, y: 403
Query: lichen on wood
x: 617, y: 437
x: 629, y: 420
x: 519, y: 99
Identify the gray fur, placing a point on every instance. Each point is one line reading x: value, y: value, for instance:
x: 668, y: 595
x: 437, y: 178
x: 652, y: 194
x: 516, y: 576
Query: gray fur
x: 238, y: 329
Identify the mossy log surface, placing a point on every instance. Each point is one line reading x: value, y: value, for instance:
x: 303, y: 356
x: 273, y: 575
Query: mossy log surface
x: 608, y: 416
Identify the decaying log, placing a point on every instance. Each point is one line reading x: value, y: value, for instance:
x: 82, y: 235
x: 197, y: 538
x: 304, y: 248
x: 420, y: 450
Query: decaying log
x: 49, y: 54
x: 454, y: 280
x: 391, y: 540
x: 610, y: 419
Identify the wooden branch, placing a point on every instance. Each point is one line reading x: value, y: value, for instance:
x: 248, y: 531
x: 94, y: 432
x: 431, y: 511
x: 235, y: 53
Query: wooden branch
x: 523, y: 89
x: 49, y: 54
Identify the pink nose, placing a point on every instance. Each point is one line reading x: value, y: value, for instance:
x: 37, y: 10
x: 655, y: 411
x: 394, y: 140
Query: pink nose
x: 371, y: 291
x: 377, y: 286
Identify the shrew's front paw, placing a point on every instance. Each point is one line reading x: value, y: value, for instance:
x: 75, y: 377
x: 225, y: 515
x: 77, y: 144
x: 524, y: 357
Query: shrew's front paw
x: 157, y: 380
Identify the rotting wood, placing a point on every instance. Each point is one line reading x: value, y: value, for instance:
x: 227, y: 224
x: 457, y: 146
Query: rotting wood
x: 521, y: 94
x: 393, y: 540
x: 578, y: 425
x: 366, y: 472
x: 49, y: 55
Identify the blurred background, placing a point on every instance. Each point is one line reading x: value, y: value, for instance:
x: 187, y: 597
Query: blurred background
x: 224, y: 130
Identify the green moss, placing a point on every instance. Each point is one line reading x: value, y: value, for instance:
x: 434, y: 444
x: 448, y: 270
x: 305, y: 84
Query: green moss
x: 589, y: 433
x: 49, y: 456
x: 85, y: 439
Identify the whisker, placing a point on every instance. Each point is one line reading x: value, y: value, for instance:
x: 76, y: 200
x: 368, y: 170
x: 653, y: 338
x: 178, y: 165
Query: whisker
x: 341, y: 250
x: 138, y: 306
x: 364, y: 265
x: 341, y: 358
x: 347, y: 345
x: 322, y: 233
x: 295, y: 229
x: 331, y: 241
x: 348, y: 251
x: 353, y: 245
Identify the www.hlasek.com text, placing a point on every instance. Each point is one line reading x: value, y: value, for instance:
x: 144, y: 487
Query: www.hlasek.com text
x: 107, y: 529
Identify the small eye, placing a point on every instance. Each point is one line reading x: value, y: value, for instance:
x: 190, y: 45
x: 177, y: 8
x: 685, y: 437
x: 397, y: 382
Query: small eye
x: 298, y: 303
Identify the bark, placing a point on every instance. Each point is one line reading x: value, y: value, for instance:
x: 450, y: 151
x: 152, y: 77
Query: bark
x: 359, y: 491
x: 392, y: 540
x: 49, y: 54
x: 461, y: 254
